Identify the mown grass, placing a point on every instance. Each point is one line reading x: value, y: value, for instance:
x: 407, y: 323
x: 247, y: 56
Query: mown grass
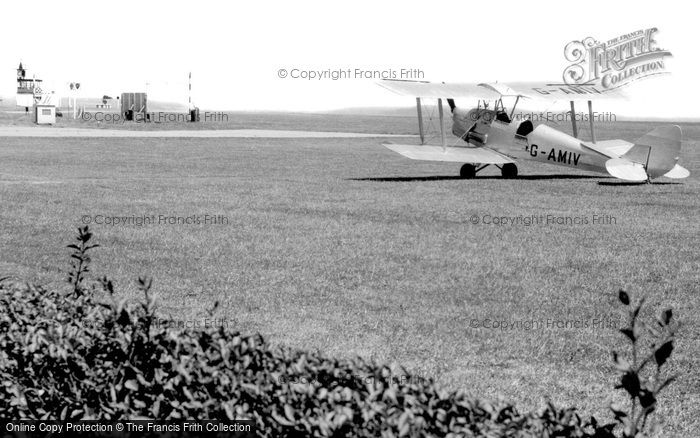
x: 344, y: 246
x: 229, y: 120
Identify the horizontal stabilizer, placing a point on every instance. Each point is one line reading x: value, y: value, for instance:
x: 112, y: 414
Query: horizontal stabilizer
x: 480, y: 155
x: 678, y: 172
x: 625, y: 169
x: 609, y: 148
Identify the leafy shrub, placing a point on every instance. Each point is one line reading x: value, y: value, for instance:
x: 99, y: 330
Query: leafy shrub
x: 73, y: 356
x: 641, y: 386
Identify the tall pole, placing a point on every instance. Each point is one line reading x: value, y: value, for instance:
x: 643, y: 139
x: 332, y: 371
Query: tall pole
x: 71, y: 98
x: 442, y: 124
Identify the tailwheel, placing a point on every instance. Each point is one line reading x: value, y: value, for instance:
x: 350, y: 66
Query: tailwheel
x: 509, y: 171
x: 468, y: 171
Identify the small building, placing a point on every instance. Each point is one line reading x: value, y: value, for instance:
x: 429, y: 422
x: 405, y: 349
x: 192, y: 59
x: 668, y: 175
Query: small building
x: 44, y: 114
x: 132, y: 104
x: 27, y: 89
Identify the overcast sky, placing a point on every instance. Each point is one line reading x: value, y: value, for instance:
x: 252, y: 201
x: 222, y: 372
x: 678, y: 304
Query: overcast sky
x: 235, y: 50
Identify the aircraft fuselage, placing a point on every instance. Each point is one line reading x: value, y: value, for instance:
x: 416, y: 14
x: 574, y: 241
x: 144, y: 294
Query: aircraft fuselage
x: 519, y: 140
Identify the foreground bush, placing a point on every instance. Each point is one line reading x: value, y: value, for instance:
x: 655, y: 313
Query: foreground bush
x: 74, y: 356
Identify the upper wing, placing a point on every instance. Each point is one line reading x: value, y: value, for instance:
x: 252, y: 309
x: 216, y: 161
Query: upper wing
x: 434, y: 90
x: 495, y: 90
x: 559, y: 91
x: 480, y: 155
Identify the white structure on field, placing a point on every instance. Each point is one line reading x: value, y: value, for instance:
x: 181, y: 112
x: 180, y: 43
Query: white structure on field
x: 27, y: 89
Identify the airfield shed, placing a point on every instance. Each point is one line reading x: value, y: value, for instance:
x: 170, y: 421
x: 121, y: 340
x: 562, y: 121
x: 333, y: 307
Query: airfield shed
x: 44, y: 114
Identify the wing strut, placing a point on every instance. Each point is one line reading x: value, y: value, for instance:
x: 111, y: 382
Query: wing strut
x: 442, y: 124
x: 590, y: 120
x: 517, y: 99
x: 573, y: 119
x: 420, y: 121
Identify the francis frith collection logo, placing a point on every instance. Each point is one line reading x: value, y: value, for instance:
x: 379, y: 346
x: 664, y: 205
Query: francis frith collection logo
x: 616, y: 62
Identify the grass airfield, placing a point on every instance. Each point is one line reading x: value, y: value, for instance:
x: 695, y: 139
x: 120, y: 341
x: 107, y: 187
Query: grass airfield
x: 341, y: 245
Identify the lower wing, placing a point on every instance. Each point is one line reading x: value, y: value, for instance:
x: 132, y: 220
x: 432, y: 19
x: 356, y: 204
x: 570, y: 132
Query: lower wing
x: 480, y: 155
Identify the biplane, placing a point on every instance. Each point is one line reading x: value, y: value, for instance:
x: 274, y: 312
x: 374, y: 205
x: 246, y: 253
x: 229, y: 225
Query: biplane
x: 489, y: 135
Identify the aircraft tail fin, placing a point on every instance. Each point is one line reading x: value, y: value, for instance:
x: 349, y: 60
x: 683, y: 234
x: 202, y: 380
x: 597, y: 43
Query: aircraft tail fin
x: 653, y: 155
x: 658, y: 150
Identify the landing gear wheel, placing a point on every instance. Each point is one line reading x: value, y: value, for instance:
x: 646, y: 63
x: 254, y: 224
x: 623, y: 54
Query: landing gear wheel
x: 509, y: 171
x: 468, y: 171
